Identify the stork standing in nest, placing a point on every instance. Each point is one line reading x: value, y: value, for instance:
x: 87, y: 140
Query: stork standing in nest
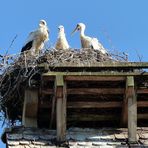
x: 89, y: 42
x: 61, y: 41
x: 36, y: 39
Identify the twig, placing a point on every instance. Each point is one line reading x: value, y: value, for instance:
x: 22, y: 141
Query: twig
x: 11, y: 44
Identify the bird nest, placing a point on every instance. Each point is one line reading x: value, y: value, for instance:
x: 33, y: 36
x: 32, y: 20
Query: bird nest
x: 17, y: 72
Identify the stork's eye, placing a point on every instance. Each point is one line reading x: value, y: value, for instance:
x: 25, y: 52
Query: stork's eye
x: 43, y: 23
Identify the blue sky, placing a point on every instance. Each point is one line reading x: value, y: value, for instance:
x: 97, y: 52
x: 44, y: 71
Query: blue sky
x: 123, y: 22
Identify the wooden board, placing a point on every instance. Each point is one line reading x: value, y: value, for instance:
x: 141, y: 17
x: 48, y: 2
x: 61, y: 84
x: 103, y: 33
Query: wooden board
x: 82, y: 91
x: 102, y: 65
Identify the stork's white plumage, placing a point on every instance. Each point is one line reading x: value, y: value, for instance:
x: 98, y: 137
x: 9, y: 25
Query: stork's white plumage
x: 61, y: 41
x: 89, y: 42
x: 37, y: 38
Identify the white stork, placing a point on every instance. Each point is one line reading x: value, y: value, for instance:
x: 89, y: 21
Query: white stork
x: 89, y: 42
x: 37, y: 38
x: 61, y: 41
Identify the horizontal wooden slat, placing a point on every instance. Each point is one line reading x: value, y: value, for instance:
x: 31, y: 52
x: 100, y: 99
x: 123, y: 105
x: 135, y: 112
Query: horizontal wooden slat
x: 142, y: 91
x: 95, y: 91
x: 93, y: 104
x: 142, y: 103
x: 101, y: 65
x: 93, y: 78
x: 82, y: 91
x: 102, y: 73
x: 47, y: 104
x: 47, y: 91
x: 142, y: 116
x: 90, y: 117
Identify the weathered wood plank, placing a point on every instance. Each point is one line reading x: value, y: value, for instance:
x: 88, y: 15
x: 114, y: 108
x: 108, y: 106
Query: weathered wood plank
x: 104, y: 90
x: 60, y: 108
x: 53, y: 106
x: 30, y: 108
x: 102, y: 65
x: 64, y: 110
x: 82, y: 91
x: 142, y: 104
x: 142, y: 116
x: 59, y: 96
x: 124, y: 117
x: 47, y: 104
x: 142, y: 91
x: 47, y: 91
x: 93, y: 78
x: 132, y: 110
x: 94, y: 104
x: 102, y: 73
x: 91, y: 117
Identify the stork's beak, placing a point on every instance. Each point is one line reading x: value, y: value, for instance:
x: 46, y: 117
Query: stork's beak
x: 74, y: 30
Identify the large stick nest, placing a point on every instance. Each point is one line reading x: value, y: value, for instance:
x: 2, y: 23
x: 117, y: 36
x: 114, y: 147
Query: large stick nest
x: 18, y: 70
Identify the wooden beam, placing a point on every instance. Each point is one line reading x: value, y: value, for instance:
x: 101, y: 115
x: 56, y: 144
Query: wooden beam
x: 142, y: 104
x: 82, y: 104
x: 101, y: 65
x: 60, y: 109
x: 143, y: 116
x: 124, y: 116
x: 47, y: 91
x: 53, y: 107
x: 92, y: 117
x: 142, y: 91
x: 30, y: 108
x: 93, y: 78
x: 94, y: 104
x: 101, y: 73
x: 132, y: 110
x: 95, y: 91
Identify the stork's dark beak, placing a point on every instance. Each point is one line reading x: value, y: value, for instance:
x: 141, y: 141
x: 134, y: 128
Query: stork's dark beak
x: 74, y: 30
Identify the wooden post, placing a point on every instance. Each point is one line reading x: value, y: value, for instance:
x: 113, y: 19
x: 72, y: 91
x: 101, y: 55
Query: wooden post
x: 60, y: 109
x: 132, y: 110
x: 53, y: 107
x: 124, y: 117
x: 30, y: 108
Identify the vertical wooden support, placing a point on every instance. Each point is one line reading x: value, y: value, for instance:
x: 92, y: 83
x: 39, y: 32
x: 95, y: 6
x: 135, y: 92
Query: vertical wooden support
x: 124, y: 117
x: 132, y: 110
x: 53, y: 107
x: 30, y: 108
x: 60, y: 108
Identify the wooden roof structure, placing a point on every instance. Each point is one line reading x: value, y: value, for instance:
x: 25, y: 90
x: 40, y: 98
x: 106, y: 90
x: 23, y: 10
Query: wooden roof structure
x: 112, y: 94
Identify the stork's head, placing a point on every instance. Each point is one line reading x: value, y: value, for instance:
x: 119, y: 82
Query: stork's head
x: 61, y: 28
x: 80, y: 26
x: 42, y: 23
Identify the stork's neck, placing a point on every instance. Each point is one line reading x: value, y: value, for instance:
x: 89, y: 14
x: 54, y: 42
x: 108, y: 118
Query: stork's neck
x: 82, y: 32
x: 43, y: 27
x: 61, y: 34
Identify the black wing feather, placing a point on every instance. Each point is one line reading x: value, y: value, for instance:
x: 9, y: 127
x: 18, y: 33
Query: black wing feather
x: 27, y: 46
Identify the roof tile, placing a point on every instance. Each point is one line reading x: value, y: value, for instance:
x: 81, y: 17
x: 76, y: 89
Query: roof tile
x: 40, y: 142
x: 46, y: 137
x: 14, y: 136
x: 13, y: 142
x: 31, y: 137
x: 24, y: 142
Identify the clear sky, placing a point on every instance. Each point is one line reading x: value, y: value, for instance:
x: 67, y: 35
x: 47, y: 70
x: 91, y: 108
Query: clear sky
x: 118, y: 24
